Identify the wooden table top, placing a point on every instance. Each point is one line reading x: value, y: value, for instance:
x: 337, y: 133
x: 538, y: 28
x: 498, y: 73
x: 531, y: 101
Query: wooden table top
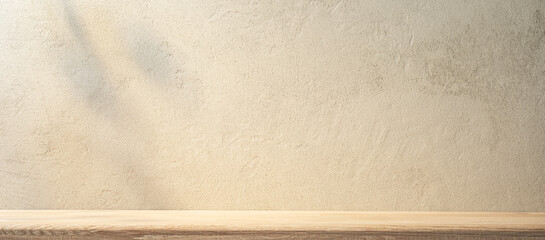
x: 157, y: 224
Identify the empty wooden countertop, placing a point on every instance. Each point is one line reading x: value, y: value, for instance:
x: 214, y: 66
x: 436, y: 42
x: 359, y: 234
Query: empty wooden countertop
x: 131, y: 224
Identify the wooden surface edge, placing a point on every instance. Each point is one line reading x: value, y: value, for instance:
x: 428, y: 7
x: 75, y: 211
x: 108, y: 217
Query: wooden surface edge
x: 132, y: 224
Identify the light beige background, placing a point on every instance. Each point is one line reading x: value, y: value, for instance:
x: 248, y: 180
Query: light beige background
x: 308, y: 105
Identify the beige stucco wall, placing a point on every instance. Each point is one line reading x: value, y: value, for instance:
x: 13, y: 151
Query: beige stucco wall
x: 309, y: 105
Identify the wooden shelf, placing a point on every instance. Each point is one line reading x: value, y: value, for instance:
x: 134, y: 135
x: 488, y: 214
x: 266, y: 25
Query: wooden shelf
x: 126, y: 224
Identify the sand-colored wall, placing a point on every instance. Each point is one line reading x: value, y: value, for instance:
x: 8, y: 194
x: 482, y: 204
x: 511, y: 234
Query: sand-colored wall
x: 308, y: 105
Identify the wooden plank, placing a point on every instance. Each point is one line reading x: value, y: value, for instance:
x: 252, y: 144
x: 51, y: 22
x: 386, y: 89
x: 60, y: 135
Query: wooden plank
x: 127, y: 224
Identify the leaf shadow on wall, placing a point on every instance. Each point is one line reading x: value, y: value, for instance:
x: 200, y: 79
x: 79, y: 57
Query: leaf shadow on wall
x: 155, y: 58
x: 131, y: 139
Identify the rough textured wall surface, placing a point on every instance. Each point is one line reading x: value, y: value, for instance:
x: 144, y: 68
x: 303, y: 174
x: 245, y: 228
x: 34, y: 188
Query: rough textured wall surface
x: 329, y: 105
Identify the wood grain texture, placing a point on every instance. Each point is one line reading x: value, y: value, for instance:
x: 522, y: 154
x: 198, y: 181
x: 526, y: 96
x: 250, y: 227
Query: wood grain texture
x: 126, y: 224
